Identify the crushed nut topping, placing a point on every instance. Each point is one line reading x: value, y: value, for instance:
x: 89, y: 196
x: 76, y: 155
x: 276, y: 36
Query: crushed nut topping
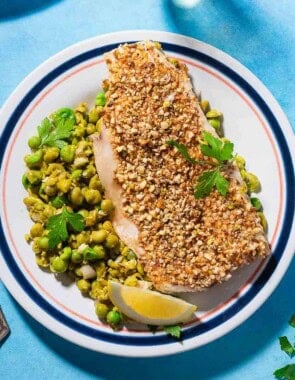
x: 189, y: 243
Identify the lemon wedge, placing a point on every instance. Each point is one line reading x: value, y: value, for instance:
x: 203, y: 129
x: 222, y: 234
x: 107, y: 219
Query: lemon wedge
x: 149, y: 307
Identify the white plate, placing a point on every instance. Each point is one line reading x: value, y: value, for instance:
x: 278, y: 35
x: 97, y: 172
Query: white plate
x: 252, y: 120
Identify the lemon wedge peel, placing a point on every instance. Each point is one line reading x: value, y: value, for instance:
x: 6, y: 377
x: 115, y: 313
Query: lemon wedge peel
x: 149, y: 307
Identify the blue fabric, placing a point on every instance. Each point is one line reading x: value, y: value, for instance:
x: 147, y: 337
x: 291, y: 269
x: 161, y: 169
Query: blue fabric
x: 261, y: 36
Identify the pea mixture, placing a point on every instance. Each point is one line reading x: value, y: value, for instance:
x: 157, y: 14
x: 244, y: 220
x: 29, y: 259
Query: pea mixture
x: 64, y: 178
x: 72, y: 231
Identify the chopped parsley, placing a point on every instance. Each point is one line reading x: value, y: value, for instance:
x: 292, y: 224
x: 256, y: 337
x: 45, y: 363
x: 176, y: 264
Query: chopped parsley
x: 174, y: 331
x: 287, y: 372
x: 286, y: 346
x: 58, y: 226
x: 54, y: 132
x: 221, y: 151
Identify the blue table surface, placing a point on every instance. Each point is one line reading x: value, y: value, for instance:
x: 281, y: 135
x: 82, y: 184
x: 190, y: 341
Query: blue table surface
x: 261, y: 35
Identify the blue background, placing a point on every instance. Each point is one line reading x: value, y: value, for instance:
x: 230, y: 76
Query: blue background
x: 261, y: 35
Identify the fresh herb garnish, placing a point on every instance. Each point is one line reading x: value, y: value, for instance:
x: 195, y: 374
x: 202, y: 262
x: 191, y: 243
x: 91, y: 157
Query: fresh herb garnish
x: 221, y: 151
x: 286, y: 346
x: 174, y: 331
x: 53, y: 133
x: 58, y: 226
x: 182, y: 149
x: 208, y: 180
x: 285, y: 373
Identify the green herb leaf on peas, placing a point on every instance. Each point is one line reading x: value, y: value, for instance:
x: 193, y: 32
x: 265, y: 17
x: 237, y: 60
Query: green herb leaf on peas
x: 53, y: 133
x: 58, y: 226
x: 221, y: 151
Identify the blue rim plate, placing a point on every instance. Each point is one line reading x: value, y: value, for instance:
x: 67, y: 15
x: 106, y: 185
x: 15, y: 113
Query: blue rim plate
x: 252, y: 120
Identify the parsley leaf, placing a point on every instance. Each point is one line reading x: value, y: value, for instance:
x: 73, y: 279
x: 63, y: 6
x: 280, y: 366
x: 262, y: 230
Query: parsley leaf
x: 205, y: 183
x: 216, y: 148
x: 286, y: 346
x: 182, y: 149
x: 221, y: 184
x: 292, y: 321
x: 58, y: 226
x: 53, y: 133
x: 174, y: 331
x: 221, y: 151
x: 286, y: 373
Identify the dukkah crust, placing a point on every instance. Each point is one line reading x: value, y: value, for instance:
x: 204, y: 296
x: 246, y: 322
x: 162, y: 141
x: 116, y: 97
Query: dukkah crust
x: 188, y: 243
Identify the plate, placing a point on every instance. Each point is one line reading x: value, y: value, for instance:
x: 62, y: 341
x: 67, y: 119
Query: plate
x: 252, y: 120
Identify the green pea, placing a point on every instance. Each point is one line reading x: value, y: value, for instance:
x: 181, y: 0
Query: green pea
x: 252, y: 182
x: 79, y: 131
x: 25, y: 181
x: 36, y: 230
x: 76, y: 173
x: 58, y: 265
x: 107, y: 206
x: 98, y: 236
x: 78, y: 272
x: 82, y: 238
x: 83, y: 285
x: 76, y: 196
x: 34, y: 159
x: 66, y: 253
x: 112, y: 241
x: 107, y: 225
x: 67, y: 153
x: 76, y: 257
x: 100, y: 251
x: 100, y: 99
x: 51, y: 154
x: 34, y: 142
x: 89, y: 171
x: 95, y: 183
x: 114, y: 318
x: 93, y: 115
x: 83, y: 212
x: 90, y: 254
x: 101, y: 310
x: 91, y: 128
x: 64, y: 185
x: 92, y: 196
x: 204, y: 105
x: 213, y: 114
x: 256, y: 203
x: 131, y: 255
x: 240, y: 161
x: 215, y: 123
x: 58, y: 201
x: 43, y: 242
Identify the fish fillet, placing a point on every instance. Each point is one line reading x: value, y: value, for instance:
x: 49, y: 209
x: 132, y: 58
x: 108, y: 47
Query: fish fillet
x: 184, y: 244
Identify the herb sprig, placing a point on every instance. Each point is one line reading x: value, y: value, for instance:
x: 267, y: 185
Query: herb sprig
x: 222, y: 152
x: 54, y: 132
x: 58, y: 226
x: 175, y: 331
x: 287, y: 372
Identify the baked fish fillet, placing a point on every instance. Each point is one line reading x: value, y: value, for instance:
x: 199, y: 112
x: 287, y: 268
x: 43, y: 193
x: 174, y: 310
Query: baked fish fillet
x: 184, y: 244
